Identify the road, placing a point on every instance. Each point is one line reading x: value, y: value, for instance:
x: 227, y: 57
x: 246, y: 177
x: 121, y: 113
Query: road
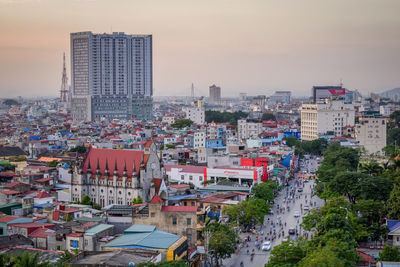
x: 300, y: 199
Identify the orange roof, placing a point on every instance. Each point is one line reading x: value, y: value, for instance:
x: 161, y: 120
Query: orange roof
x: 148, y: 143
x: 47, y: 159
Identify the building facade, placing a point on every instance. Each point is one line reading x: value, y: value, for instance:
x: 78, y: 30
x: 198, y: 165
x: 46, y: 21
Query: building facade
x: 249, y: 129
x: 215, y: 94
x: 330, y: 117
x: 282, y: 97
x: 111, y: 176
x: 370, y: 132
x: 195, y: 114
x: 111, y: 76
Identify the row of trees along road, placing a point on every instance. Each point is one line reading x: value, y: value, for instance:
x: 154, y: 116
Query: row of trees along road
x: 222, y: 239
x: 358, y: 197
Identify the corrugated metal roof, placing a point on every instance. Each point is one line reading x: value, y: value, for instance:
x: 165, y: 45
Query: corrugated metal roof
x: 140, y: 228
x: 98, y: 228
x: 154, y: 240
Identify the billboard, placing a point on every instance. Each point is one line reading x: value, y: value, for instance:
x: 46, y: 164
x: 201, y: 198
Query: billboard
x: 327, y: 91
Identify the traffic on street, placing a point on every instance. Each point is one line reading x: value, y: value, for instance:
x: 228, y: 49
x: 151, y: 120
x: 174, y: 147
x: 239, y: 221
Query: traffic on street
x: 290, y: 205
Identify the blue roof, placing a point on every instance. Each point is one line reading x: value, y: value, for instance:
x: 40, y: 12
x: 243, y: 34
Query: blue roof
x: 179, y: 197
x: 393, y: 224
x: 286, y: 161
x: 144, y: 236
x: 98, y: 228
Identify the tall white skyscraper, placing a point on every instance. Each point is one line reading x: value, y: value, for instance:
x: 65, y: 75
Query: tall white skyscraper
x: 111, y: 76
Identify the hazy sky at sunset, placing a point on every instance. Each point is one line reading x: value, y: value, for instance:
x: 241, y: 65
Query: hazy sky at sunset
x: 253, y: 46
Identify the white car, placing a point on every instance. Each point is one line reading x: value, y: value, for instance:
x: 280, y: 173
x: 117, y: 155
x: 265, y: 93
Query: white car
x: 266, y: 245
x: 296, y: 214
x: 306, y: 208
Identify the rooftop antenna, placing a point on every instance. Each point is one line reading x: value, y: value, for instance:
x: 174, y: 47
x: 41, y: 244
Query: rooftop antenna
x: 341, y: 82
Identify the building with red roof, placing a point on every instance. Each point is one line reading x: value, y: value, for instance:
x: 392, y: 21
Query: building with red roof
x: 117, y: 176
x: 181, y: 220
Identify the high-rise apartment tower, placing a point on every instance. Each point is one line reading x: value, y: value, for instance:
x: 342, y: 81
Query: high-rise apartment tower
x: 111, y: 76
x: 215, y: 94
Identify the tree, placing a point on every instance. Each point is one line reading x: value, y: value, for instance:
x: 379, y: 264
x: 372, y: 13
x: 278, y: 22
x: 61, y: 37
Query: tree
x: 389, y: 254
x: 248, y: 212
x: 324, y: 257
x: 53, y: 163
x: 221, y: 117
x: 287, y: 254
x: 170, y: 146
x: 371, y: 168
x: 291, y: 141
x: 348, y: 184
x: 221, y: 241
x: 86, y: 200
x: 393, y: 204
x: 79, y: 149
x: 137, y: 200
x: 265, y: 190
x: 11, y: 102
x: 182, y: 123
x: 268, y: 116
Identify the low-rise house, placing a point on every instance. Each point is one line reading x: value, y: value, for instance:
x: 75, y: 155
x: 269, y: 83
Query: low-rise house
x: 149, y: 238
x: 180, y: 220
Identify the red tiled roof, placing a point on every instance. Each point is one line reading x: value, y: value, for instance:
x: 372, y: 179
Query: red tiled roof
x: 213, y: 200
x: 180, y: 208
x: 41, y: 233
x: 14, y: 184
x: 90, y: 224
x: 7, y: 218
x: 186, y: 168
x: 111, y: 155
x: 75, y: 234
x: 157, y: 184
x: 148, y: 144
x: 141, y: 204
x: 10, y: 192
x: 156, y: 199
x: 44, y: 180
x: 33, y: 225
x: 43, y: 194
x: 180, y: 186
x: 8, y: 174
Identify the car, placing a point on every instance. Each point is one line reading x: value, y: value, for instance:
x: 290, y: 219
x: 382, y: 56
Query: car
x: 266, y: 246
x: 300, y: 189
x: 292, y: 231
x: 306, y: 208
x: 296, y: 214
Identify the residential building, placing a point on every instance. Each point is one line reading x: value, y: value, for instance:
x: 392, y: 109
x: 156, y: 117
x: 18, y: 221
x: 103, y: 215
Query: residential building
x: 199, y: 139
x: 330, y: 117
x: 370, y: 132
x: 185, y: 174
x: 195, y: 114
x: 249, y: 129
x: 215, y: 94
x: 111, y: 76
x: 178, y: 220
x: 320, y: 93
x: 282, y: 97
x: 149, y: 238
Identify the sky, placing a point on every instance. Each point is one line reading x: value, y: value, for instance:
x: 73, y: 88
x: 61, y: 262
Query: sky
x: 251, y: 46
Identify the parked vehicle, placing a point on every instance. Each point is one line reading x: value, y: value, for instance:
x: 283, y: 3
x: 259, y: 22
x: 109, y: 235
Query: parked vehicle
x: 266, y: 246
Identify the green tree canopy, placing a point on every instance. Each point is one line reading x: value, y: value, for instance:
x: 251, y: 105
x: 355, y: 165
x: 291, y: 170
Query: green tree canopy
x: 287, y: 254
x: 265, y: 190
x: 221, y: 240
x: 389, y: 254
x: 220, y: 117
x: 182, y: 123
x: 268, y: 116
x: 247, y: 212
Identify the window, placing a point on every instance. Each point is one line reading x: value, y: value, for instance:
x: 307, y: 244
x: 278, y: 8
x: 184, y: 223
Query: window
x: 189, y: 221
x: 174, y: 220
x: 184, y: 203
x: 182, y: 177
x: 153, y: 214
x: 193, y: 203
x: 200, y: 178
x: 191, y: 178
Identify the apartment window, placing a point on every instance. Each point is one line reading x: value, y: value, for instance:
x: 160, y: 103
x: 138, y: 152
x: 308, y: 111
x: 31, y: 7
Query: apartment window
x: 153, y: 214
x: 200, y: 178
x: 174, y: 220
x: 191, y: 178
x: 189, y: 221
x: 182, y: 177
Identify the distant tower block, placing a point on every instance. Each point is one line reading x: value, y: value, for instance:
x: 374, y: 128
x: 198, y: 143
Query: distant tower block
x: 64, y: 84
x: 192, y: 92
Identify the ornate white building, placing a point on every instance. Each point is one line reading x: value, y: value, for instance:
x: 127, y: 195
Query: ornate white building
x: 112, y: 176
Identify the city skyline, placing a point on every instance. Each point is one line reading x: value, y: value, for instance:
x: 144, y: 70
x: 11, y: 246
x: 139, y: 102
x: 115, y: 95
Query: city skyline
x: 255, y: 47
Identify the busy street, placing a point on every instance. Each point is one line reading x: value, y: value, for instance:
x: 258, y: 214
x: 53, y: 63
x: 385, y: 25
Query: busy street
x: 291, y: 204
